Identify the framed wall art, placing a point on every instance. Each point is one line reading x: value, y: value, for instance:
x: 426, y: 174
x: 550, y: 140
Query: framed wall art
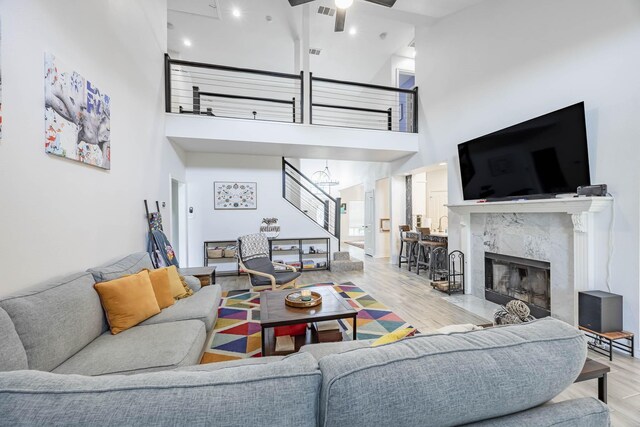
x: 235, y: 195
x: 77, y: 116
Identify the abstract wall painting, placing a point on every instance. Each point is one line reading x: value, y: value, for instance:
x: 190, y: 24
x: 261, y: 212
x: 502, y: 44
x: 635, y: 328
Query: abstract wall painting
x: 77, y: 116
x: 235, y: 195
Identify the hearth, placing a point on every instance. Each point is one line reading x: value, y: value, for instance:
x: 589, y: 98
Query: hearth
x: 527, y: 280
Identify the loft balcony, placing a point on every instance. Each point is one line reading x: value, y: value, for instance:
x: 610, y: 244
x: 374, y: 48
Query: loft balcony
x: 225, y: 109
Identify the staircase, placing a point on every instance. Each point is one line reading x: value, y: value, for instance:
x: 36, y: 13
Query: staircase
x: 310, y: 199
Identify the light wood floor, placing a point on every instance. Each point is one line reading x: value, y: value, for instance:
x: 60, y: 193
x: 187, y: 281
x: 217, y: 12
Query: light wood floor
x: 410, y: 296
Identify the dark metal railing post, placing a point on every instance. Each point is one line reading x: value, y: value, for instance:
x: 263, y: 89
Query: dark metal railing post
x: 167, y: 83
x: 326, y: 215
x: 196, y: 100
x: 389, y: 119
x: 293, y: 104
x: 337, y: 216
x: 301, y: 96
x: 415, y: 109
x: 284, y: 177
x: 310, y: 98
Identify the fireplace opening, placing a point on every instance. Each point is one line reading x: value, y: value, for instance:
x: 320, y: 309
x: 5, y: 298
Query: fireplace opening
x: 508, y: 278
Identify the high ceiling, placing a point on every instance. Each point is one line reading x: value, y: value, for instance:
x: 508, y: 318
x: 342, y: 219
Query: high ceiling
x: 264, y: 34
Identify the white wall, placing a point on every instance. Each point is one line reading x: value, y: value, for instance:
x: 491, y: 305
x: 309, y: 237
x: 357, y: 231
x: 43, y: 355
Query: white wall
x: 436, y: 193
x: 502, y: 62
x: 388, y: 73
x: 60, y: 216
x: 203, y: 169
x: 348, y: 173
x: 350, y: 194
x: 418, y: 197
x: 383, y: 210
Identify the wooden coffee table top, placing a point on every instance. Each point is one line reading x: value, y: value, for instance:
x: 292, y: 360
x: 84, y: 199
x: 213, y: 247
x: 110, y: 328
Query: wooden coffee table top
x: 274, y: 312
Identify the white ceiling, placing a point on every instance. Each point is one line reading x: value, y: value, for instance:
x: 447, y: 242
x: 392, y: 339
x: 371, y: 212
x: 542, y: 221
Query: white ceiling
x: 251, y: 41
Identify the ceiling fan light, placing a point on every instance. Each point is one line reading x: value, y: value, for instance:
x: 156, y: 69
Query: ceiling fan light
x: 343, y: 4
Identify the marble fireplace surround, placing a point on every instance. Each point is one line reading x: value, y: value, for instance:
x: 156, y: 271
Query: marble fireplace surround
x: 559, y: 231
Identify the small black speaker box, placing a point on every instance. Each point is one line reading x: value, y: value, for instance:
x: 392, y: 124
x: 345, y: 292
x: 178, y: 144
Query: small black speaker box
x: 600, y: 311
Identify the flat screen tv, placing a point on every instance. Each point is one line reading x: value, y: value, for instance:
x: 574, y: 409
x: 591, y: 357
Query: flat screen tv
x: 537, y: 158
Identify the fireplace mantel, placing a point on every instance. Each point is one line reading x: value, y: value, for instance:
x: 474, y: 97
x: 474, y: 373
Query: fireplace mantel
x: 574, y: 205
x: 581, y: 209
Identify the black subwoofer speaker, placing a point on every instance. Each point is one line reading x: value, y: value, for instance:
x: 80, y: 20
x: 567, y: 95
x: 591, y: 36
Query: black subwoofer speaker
x: 600, y: 311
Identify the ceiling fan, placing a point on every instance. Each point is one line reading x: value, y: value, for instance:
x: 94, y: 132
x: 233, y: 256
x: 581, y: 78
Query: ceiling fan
x: 341, y: 9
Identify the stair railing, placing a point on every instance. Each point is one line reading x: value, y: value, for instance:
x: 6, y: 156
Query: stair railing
x: 310, y: 199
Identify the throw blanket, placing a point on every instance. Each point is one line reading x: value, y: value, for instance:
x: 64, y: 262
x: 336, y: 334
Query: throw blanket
x: 253, y: 246
x: 162, y: 254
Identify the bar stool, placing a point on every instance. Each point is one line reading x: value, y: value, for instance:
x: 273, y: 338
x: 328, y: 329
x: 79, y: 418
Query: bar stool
x: 407, y: 258
x: 421, y: 258
x: 425, y: 254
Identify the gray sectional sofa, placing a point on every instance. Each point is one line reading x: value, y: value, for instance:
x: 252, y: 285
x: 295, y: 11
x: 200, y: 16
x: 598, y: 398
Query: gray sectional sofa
x: 61, y: 327
x: 503, y: 376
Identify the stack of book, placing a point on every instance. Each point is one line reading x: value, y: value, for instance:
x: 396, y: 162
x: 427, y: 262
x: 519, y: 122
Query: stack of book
x: 329, y: 331
x: 285, y: 343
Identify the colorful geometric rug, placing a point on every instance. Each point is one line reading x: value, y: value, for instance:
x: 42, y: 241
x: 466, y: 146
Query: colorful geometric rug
x: 236, y: 334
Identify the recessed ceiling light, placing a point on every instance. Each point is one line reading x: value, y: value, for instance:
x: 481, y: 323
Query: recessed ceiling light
x: 236, y: 12
x: 353, y: 31
x: 442, y: 164
x: 343, y: 4
x: 187, y: 42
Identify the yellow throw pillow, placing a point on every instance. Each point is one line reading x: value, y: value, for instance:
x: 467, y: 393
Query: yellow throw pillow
x: 177, y: 290
x: 393, y: 336
x: 160, y: 282
x: 128, y: 300
x: 187, y: 290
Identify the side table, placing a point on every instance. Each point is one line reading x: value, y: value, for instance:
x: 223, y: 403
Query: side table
x: 604, y: 342
x: 593, y: 370
x: 206, y: 275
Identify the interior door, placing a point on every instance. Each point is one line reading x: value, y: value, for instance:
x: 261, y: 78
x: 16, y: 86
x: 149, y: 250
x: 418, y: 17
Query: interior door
x: 369, y: 224
x: 179, y: 220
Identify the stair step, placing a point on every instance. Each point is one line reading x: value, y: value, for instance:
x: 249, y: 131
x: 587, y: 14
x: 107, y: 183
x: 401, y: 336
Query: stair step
x: 350, y: 265
x: 341, y: 256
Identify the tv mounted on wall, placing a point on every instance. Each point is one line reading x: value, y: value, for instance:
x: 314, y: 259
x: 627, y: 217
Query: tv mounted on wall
x: 538, y: 158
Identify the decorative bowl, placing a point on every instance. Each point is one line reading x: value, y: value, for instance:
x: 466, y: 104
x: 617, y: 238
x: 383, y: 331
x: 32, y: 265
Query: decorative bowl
x: 294, y: 299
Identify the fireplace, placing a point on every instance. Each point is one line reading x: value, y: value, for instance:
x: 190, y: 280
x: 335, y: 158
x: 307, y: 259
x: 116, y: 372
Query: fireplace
x: 508, y: 278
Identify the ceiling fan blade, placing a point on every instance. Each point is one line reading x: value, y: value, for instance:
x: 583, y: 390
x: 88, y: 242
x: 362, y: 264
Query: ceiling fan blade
x: 388, y: 3
x: 341, y: 15
x: 299, y: 2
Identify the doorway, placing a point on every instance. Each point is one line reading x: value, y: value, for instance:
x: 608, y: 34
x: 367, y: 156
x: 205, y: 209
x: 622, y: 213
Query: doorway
x: 179, y: 220
x: 369, y: 224
x: 406, y: 80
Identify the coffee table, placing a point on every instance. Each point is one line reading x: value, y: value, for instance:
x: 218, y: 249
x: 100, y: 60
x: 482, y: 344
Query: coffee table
x: 274, y: 312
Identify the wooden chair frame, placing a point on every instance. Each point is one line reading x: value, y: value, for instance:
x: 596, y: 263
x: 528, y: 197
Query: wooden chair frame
x: 271, y: 277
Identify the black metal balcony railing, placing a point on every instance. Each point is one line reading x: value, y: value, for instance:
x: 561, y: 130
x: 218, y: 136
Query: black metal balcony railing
x: 221, y: 91
x: 361, y: 105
